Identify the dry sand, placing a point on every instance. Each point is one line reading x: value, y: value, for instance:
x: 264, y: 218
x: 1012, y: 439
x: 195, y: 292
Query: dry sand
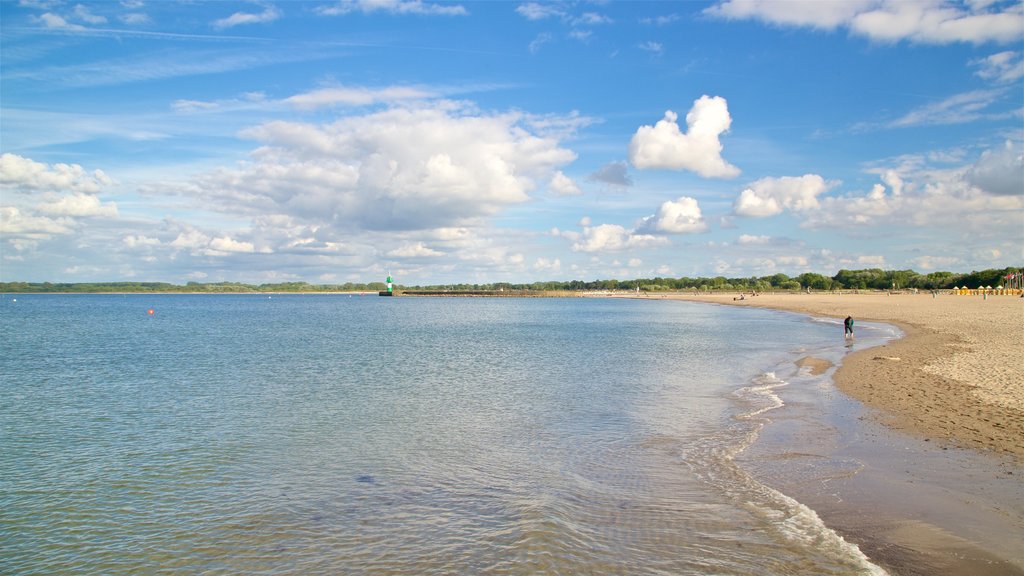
x: 957, y: 376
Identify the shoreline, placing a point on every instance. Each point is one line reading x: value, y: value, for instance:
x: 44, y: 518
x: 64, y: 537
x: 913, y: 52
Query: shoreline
x: 954, y: 377
x: 933, y: 463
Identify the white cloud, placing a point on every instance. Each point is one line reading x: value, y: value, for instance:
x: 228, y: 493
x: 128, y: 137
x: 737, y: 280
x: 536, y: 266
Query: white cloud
x: 134, y: 19
x: 24, y: 174
x: 812, y: 13
x: 651, y: 46
x: 999, y: 171
x: 699, y: 150
x: 79, y: 205
x: 1004, y: 67
x: 661, y: 20
x: 770, y: 196
x: 562, y: 185
x: 191, y: 239
x: 399, y: 7
x: 984, y: 199
x: 936, y: 262
x: 227, y: 244
x: 794, y: 261
x: 926, y: 21
x: 417, y: 250
x: 402, y: 168
x: 581, y: 35
x: 682, y: 216
x: 537, y: 11
x: 83, y: 14
x: 538, y: 42
x: 355, y: 96
x: 269, y: 14
x: 548, y: 265
x: 750, y: 239
x: 14, y: 222
x: 956, y: 109
x: 139, y: 241
x: 51, y: 20
x: 612, y: 238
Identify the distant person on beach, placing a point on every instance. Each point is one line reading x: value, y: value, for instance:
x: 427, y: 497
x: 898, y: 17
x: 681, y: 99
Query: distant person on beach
x: 848, y: 325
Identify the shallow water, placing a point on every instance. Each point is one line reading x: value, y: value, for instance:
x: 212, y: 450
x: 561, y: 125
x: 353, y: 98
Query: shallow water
x: 337, y: 434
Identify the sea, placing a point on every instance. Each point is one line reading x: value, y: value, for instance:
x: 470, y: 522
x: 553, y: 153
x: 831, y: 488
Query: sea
x: 349, y: 434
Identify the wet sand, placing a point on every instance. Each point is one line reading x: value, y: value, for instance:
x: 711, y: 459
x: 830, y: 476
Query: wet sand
x: 920, y: 462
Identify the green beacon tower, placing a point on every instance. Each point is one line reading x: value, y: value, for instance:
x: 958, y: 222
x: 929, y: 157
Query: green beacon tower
x: 390, y: 290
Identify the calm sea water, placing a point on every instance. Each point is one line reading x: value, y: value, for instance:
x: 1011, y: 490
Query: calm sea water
x: 332, y: 434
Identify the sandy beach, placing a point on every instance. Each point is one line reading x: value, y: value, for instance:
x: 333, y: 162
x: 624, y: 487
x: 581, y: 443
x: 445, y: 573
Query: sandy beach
x: 942, y: 492
x: 956, y: 377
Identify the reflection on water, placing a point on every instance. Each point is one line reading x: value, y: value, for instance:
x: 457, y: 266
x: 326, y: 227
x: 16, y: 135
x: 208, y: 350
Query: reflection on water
x: 326, y: 434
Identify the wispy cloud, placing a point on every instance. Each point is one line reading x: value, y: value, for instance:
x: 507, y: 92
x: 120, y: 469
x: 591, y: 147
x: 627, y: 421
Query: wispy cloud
x: 956, y: 109
x: 652, y: 47
x: 1004, y: 67
x: 158, y: 66
x: 269, y: 14
x: 397, y: 7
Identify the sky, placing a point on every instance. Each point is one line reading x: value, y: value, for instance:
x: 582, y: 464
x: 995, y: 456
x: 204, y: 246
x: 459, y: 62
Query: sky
x: 476, y: 142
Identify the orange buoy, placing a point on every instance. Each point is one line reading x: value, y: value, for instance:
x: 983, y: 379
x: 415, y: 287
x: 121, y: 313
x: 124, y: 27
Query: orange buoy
x: 150, y: 312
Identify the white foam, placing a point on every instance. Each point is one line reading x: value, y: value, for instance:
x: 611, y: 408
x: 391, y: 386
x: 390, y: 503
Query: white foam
x: 795, y: 521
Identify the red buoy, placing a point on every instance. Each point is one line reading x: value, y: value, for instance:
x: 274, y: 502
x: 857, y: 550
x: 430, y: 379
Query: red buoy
x: 150, y: 312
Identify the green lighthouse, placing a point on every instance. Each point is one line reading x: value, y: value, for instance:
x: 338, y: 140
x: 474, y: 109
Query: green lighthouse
x: 391, y: 287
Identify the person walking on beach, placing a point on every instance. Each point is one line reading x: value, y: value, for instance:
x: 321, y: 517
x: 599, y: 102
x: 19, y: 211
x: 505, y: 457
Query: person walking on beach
x: 848, y: 325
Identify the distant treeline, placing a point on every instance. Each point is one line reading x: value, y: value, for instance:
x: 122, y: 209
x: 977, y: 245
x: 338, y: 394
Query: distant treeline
x: 870, y: 279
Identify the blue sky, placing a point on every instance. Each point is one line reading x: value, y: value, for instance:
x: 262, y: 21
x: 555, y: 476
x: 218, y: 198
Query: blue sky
x: 328, y: 141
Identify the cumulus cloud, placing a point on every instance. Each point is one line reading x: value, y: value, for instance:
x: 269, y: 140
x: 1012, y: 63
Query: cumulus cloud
x: 698, y: 150
x: 770, y: 196
x: 982, y: 199
x: 78, y: 205
x: 926, y: 21
x: 24, y: 174
x: 399, y: 7
x: 613, y: 238
x: 681, y: 216
x: 398, y: 169
x: 226, y: 244
x: 562, y: 185
x: 14, y: 222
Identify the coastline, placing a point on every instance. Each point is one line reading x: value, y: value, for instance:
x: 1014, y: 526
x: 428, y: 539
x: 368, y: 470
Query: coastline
x: 927, y: 434
x: 954, y: 377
